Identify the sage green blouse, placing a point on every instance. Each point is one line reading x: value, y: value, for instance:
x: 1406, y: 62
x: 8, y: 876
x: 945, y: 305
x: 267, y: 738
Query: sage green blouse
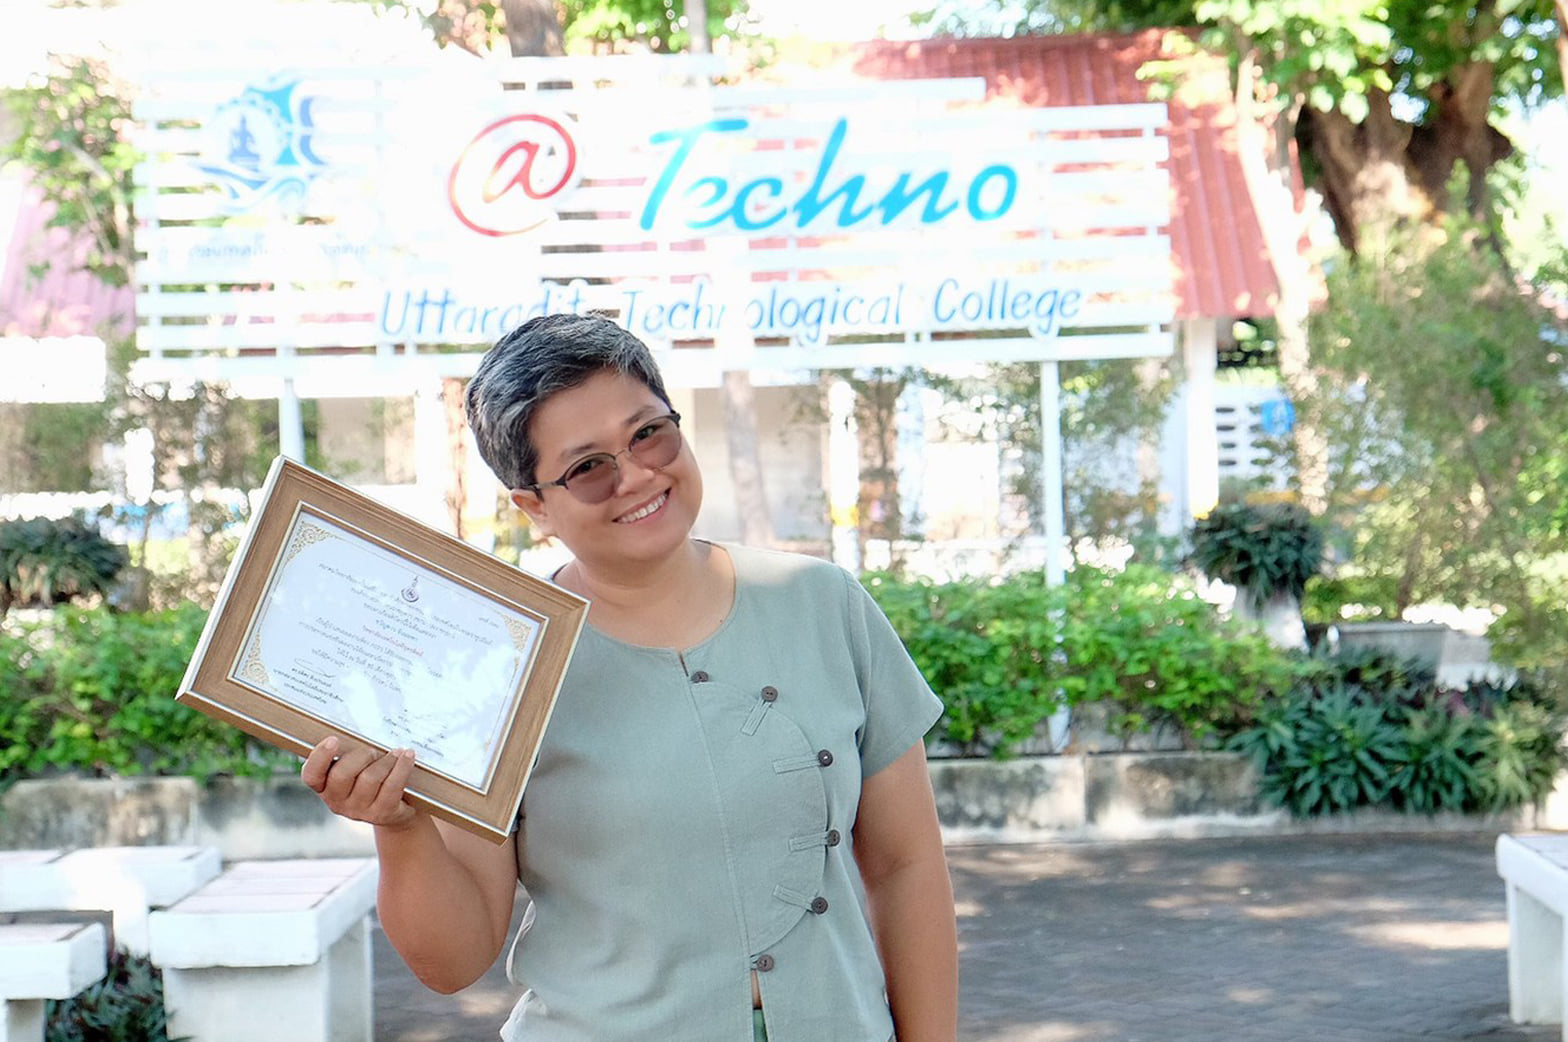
x: 690, y: 821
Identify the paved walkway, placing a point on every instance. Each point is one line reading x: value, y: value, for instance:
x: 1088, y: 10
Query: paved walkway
x: 1298, y: 939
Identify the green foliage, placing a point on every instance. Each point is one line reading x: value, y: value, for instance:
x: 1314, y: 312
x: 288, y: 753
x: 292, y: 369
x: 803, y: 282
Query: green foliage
x: 93, y: 690
x: 1350, y: 597
x: 1323, y: 753
x: 1003, y: 657
x: 1440, y: 457
x: 51, y: 447
x: 658, y: 24
x: 1434, y: 768
x: 47, y: 562
x: 126, y: 1006
x: 1368, y: 731
x: 1143, y: 642
x: 1522, y: 751
x: 983, y: 649
x: 1334, y: 54
x: 1370, y: 669
x: 1261, y: 550
x: 71, y: 140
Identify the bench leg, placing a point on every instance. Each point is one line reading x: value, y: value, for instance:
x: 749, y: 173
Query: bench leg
x: 1535, y: 961
x: 351, y: 1015
x: 328, y: 1001
x: 22, y: 1020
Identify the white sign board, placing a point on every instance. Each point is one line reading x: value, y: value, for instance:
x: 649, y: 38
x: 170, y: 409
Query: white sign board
x: 365, y: 211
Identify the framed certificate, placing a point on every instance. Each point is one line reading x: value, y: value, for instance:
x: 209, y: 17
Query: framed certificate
x: 340, y: 615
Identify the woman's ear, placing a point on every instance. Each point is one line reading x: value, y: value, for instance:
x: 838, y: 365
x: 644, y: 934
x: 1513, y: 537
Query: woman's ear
x: 531, y: 504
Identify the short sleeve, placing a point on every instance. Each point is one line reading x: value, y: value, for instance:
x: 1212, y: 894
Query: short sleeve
x: 900, y: 706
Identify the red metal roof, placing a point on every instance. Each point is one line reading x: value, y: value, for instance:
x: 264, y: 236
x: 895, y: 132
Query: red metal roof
x: 1223, y: 270
x: 62, y: 300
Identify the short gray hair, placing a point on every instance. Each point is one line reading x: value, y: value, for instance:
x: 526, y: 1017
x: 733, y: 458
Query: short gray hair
x: 539, y: 358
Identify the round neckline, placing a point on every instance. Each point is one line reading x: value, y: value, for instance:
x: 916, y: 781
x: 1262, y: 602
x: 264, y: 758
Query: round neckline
x: 666, y: 650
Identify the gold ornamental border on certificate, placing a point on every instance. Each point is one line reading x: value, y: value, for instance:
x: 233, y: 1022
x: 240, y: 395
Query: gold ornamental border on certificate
x: 212, y: 681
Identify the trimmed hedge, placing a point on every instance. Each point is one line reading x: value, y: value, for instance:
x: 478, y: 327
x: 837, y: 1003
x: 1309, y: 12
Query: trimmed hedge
x: 93, y: 691
x: 1005, y: 656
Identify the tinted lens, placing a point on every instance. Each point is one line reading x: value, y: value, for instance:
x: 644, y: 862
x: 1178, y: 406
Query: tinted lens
x: 655, y: 444
x: 659, y: 445
x: 596, y: 482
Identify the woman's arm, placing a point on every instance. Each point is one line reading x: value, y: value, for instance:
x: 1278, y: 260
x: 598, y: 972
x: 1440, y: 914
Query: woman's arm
x: 898, y: 844
x: 445, y: 895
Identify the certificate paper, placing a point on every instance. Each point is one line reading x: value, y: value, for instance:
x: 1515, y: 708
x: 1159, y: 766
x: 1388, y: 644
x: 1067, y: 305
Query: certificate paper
x: 340, y: 616
x: 399, y: 657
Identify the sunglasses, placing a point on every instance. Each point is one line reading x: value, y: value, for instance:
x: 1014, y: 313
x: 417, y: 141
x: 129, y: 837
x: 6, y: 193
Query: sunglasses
x: 593, y: 479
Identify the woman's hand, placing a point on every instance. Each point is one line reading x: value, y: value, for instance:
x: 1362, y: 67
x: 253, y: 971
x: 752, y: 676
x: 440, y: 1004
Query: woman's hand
x: 362, y: 784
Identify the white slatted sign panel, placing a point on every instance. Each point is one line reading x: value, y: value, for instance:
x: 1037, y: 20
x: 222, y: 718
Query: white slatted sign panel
x: 334, y: 211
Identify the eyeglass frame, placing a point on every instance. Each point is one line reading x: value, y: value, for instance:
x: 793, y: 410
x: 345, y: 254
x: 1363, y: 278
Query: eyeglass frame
x: 538, y: 487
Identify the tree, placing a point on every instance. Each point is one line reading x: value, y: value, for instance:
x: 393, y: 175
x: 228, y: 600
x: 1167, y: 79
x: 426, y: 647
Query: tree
x: 1386, y: 97
x: 71, y: 139
x: 542, y: 27
x: 1447, y: 457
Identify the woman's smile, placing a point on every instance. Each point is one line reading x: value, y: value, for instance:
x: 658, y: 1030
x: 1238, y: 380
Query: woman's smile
x: 647, y: 509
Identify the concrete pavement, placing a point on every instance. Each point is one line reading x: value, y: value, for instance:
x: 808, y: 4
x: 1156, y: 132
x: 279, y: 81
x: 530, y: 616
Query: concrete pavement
x: 1349, y: 938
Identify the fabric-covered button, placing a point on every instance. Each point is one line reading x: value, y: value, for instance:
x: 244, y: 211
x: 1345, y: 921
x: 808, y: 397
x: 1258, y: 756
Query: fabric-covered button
x: 763, y: 963
x: 819, y: 905
x: 699, y: 677
x: 770, y: 694
x: 833, y: 837
x: 824, y: 758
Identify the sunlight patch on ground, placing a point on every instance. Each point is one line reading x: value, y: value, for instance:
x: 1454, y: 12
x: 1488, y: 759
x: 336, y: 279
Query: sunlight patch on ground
x: 1054, y: 1032
x: 1435, y: 935
x: 968, y: 909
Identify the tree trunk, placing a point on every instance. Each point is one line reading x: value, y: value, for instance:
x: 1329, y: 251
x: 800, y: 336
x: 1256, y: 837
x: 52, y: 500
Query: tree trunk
x: 532, y: 28
x: 457, y: 451
x: 740, y: 428
x: 1364, y: 178
x: 1266, y: 170
x: 740, y: 411
x: 697, y: 26
x: 1459, y: 131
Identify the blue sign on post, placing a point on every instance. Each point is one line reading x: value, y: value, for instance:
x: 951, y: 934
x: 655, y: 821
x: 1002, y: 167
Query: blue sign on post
x: 1277, y: 416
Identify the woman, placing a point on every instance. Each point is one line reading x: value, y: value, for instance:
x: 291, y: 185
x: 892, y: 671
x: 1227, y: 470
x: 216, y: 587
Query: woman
x: 729, y: 833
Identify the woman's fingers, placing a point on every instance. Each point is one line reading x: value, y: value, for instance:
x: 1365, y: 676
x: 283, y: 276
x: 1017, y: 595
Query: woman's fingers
x: 314, y: 772
x: 362, y: 783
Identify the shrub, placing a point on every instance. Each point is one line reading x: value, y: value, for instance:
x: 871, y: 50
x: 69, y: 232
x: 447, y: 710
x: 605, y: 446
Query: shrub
x: 983, y: 649
x: 125, y: 1006
x: 48, y: 562
x: 1370, y: 730
x: 1005, y: 656
x: 1323, y: 752
x: 1521, y: 754
x: 1260, y: 550
x: 93, y: 690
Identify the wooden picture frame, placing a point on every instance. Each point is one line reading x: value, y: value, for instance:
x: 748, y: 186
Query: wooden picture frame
x: 341, y: 616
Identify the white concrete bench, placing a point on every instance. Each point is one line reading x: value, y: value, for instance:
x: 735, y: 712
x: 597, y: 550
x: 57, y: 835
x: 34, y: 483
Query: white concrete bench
x: 271, y: 950
x: 1535, y: 869
x: 125, y: 881
x: 40, y: 961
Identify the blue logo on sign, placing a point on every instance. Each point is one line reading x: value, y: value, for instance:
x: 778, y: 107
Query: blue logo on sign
x: 1277, y: 416
x: 261, y: 146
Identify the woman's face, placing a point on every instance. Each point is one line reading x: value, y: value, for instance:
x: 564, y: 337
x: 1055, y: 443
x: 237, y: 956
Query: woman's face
x: 651, y: 512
